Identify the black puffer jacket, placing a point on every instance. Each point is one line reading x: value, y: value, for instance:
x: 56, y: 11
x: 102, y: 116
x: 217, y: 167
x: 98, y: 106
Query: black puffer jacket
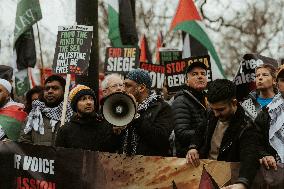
x: 189, y: 114
x: 240, y: 143
x: 86, y: 133
x: 262, y: 121
x: 153, y: 128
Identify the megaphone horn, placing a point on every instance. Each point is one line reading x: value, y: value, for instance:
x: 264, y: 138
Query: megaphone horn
x: 119, y: 109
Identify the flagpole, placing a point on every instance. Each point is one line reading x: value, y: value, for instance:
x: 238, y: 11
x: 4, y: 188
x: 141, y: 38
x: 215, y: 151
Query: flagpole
x: 41, y: 59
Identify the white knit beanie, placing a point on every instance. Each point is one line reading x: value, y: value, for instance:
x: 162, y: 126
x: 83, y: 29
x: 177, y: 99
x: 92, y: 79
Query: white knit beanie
x: 6, y: 84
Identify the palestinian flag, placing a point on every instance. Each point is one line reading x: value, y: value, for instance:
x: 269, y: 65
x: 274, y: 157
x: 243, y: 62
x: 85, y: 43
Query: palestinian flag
x: 113, y: 23
x: 188, y: 20
x: 12, y: 116
x: 121, y: 23
x: 145, y: 54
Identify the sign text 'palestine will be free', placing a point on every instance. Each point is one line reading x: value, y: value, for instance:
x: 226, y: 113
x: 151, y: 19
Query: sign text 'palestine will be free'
x: 73, y: 47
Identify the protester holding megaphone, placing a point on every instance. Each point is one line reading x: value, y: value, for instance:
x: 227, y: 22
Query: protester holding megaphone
x: 147, y: 134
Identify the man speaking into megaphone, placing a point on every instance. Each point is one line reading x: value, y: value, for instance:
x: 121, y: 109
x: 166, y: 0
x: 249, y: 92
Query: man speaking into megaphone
x: 149, y: 133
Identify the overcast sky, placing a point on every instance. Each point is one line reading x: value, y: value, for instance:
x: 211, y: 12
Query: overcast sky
x: 54, y: 14
x: 62, y: 12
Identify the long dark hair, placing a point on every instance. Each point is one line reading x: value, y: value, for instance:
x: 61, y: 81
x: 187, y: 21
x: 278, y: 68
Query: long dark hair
x: 30, y: 93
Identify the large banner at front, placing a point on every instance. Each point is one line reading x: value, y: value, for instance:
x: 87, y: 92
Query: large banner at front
x: 121, y: 60
x: 174, y: 71
x: 38, y: 167
x: 245, y: 77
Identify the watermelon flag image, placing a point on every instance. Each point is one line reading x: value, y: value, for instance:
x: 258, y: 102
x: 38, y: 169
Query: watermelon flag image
x: 188, y: 20
x: 12, y: 116
x: 207, y: 182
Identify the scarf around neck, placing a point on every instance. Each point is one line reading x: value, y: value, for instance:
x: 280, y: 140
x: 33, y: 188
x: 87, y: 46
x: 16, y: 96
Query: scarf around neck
x: 35, y: 119
x: 276, y: 130
x: 131, y: 138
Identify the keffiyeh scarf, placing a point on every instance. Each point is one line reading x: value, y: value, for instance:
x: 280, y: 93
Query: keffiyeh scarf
x: 131, y: 139
x: 276, y: 130
x: 35, y: 119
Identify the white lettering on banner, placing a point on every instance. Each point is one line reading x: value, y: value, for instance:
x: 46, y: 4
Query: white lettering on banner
x: 24, y: 20
x: 73, y: 62
x: 75, y: 55
x: 62, y: 69
x: 120, y: 64
x: 176, y: 80
x: 157, y: 79
x: 29, y: 14
x: 252, y: 64
x: 244, y: 78
x: 34, y: 164
x: 62, y: 63
x: 17, y: 159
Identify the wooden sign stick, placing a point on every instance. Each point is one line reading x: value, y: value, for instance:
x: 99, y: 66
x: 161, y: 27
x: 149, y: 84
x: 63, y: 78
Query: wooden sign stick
x: 66, y: 93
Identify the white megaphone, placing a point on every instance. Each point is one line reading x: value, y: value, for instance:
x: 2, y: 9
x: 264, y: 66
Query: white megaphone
x: 119, y: 109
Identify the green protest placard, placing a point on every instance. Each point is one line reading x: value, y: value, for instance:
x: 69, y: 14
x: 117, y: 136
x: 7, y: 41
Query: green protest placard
x: 169, y: 54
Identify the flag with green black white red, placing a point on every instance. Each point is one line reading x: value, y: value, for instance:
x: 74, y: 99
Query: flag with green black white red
x: 28, y: 13
x: 188, y: 20
x: 12, y: 116
x: 121, y: 23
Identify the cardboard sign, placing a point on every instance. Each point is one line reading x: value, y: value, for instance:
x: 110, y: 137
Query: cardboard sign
x: 245, y: 77
x: 157, y: 73
x: 73, y: 48
x: 169, y: 54
x: 121, y: 60
x: 175, y: 77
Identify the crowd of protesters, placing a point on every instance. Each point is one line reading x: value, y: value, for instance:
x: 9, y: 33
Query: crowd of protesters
x: 203, y: 121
